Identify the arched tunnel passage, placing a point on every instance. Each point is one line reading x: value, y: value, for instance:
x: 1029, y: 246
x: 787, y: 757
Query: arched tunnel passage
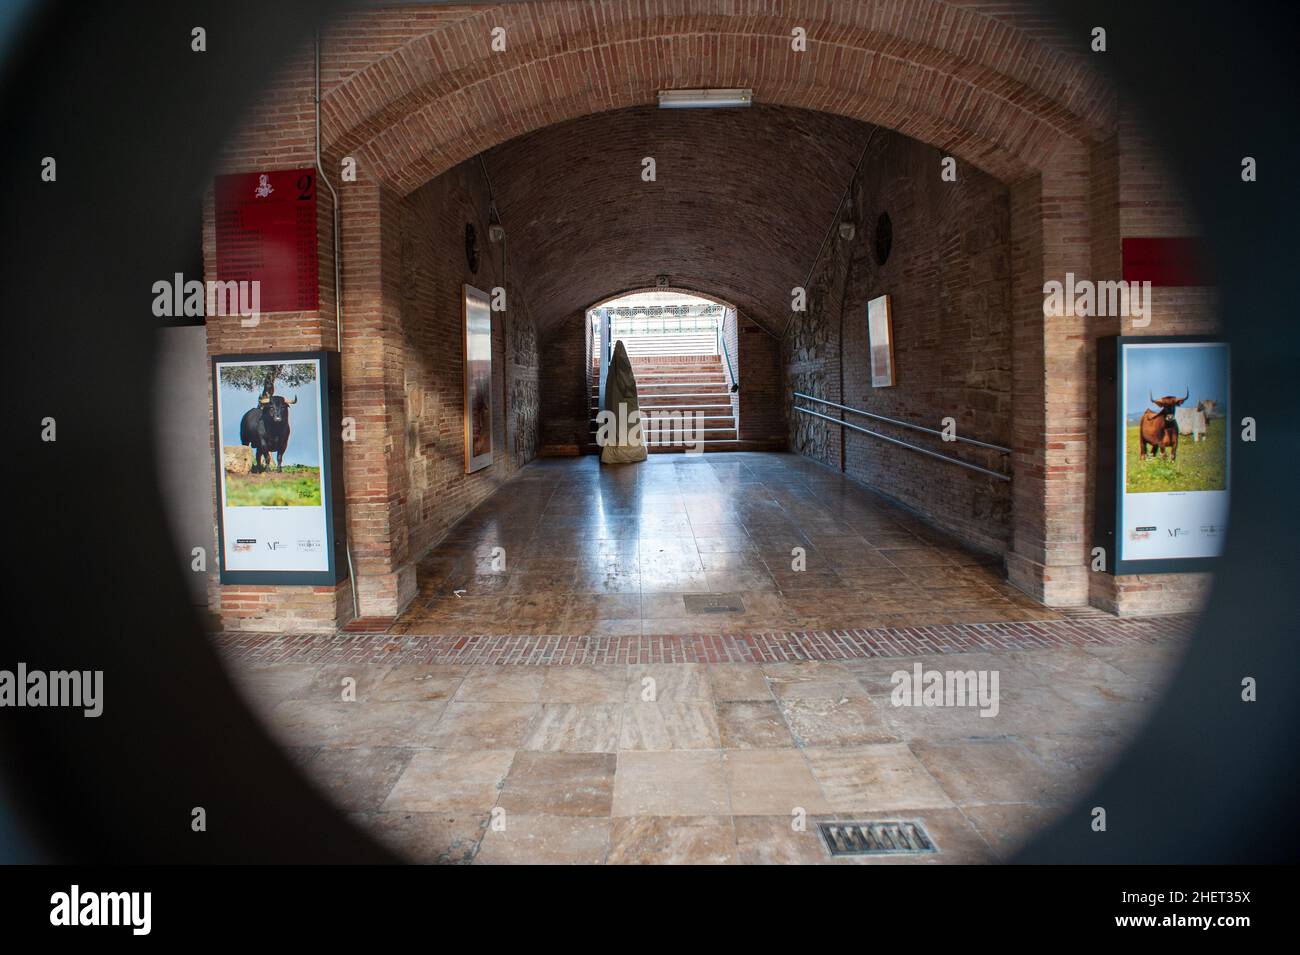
x: 780, y: 211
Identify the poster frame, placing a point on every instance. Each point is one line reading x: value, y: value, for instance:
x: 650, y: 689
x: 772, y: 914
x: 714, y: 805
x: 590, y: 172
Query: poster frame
x: 1108, y: 512
x: 472, y: 462
x: 885, y: 303
x: 329, y: 396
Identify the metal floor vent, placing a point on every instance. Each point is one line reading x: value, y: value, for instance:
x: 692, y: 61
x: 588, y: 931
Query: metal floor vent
x: 714, y: 603
x: 875, y: 838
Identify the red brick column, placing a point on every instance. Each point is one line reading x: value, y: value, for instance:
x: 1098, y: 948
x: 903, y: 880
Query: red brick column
x: 374, y: 398
x: 1050, y: 384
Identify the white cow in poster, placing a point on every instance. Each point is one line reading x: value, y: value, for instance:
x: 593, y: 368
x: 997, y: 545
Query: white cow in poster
x: 1192, y: 421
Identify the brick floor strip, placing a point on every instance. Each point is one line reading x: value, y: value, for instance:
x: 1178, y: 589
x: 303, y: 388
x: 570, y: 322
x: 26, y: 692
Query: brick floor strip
x: 757, y: 647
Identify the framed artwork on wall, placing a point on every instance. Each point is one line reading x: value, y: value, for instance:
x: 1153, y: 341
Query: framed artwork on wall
x: 1164, y: 459
x: 880, y: 342
x: 477, y: 317
x: 279, y: 467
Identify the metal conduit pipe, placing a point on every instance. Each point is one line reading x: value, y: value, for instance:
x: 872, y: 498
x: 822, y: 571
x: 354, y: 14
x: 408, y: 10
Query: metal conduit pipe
x: 338, y: 327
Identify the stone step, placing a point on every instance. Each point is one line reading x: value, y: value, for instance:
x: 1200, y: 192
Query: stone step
x: 652, y: 435
x: 642, y: 365
x: 705, y: 446
x: 673, y: 389
x: 708, y: 410
x: 685, y: 406
x: 645, y: 381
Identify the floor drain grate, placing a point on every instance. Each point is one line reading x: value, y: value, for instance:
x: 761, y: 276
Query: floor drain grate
x: 875, y: 838
x: 714, y: 603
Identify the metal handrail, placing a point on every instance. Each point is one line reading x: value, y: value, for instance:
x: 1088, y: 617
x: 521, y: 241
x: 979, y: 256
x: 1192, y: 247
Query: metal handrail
x: 904, y: 424
x: 904, y: 444
x: 726, y: 357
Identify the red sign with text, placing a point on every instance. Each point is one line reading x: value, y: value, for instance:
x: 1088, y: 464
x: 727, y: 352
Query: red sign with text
x: 266, y: 232
x: 1166, y: 262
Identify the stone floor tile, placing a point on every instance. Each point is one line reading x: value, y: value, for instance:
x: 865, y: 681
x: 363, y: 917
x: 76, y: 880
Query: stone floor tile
x: 308, y: 723
x: 1007, y: 827
x: 738, y: 681
x: 560, y: 784
x: 664, y: 726
x: 471, y: 726
x: 753, y: 724
x: 439, y: 780
x: 357, y: 779
x: 676, y: 783
x: 576, y: 728
x: 545, y: 840
x: 836, y: 722
x: 419, y: 682
x: 880, y: 777
x: 974, y: 772
x: 585, y: 684
x: 771, y: 781
x: 672, y: 840
x: 427, y: 838
x: 670, y: 683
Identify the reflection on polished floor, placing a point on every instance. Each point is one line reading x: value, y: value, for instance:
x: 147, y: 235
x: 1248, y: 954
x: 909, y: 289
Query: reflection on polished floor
x: 615, y: 551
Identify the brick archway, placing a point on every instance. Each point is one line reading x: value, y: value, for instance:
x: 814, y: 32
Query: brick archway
x: 411, y: 93
x: 998, y: 91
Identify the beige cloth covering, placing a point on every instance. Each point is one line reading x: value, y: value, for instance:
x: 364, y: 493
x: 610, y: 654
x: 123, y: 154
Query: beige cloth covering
x: 620, y: 390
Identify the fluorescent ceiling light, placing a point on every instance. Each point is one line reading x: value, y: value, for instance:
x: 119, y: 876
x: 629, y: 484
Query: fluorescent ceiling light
x: 703, y: 99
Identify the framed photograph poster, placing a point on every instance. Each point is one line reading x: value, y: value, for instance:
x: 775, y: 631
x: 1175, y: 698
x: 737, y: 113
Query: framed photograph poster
x: 1165, y: 453
x: 880, y: 342
x: 279, y: 487
x: 477, y: 316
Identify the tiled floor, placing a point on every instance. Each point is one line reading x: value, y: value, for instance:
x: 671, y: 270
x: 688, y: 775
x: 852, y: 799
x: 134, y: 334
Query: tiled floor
x: 724, y: 763
x: 571, y: 548
x: 565, y: 707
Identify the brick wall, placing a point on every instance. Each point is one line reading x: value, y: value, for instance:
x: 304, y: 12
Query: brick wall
x: 948, y: 277
x: 431, y: 247
x: 759, y: 404
x: 1141, y: 198
x: 564, y: 381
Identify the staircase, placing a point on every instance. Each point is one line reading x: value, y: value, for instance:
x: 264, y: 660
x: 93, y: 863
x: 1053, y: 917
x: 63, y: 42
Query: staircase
x: 682, y: 386
x: 682, y: 343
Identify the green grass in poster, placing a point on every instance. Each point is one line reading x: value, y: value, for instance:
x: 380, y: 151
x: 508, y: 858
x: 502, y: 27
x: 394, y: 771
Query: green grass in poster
x: 297, y: 485
x: 1200, y: 465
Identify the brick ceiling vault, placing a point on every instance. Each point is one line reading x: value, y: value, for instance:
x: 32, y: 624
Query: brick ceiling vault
x: 982, y: 81
x: 412, y: 92
x: 740, y: 203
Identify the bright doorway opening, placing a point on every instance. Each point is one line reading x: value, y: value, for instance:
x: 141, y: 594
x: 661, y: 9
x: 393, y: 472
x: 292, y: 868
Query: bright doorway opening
x: 682, y: 348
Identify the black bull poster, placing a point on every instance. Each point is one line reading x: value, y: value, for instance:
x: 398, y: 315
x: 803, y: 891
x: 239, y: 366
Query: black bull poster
x: 277, y: 438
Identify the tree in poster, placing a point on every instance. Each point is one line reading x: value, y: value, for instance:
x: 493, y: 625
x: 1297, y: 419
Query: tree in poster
x: 265, y: 377
x: 252, y: 480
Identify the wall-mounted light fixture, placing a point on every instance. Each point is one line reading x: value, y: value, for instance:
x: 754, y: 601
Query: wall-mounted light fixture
x: 704, y: 99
